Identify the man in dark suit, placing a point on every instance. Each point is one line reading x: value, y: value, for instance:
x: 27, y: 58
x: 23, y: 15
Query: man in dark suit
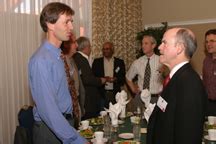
x: 90, y: 82
x: 113, y: 69
x: 178, y: 116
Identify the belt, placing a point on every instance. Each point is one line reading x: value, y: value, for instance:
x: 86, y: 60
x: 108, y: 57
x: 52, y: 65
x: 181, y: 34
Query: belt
x: 67, y: 116
x: 154, y: 95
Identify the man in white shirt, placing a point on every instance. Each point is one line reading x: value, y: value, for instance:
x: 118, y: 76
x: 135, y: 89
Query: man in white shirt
x: 138, y: 68
x: 113, y: 69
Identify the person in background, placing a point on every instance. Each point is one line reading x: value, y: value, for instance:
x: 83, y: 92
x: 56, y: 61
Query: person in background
x: 113, y: 69
x: 209, y: 70
x: 48, y: 82
x: 179, y: 114
x: 90, y: 82
x: 153, y: 81
x: 69, y: 48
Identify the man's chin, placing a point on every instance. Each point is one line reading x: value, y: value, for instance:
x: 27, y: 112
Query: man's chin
x: 161, y: 60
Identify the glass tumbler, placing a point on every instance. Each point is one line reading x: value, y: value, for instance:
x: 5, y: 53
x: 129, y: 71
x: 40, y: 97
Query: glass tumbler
x: 136, y: 132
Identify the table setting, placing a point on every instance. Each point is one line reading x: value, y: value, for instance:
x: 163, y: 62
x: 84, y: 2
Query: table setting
x: 210, y: 130
x: 115, y: 125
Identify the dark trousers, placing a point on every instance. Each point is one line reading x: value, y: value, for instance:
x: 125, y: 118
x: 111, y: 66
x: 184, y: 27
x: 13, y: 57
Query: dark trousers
x: 43, y: 135
x: 211, y: 108
x: 89, y: 115
x: 109, y: 97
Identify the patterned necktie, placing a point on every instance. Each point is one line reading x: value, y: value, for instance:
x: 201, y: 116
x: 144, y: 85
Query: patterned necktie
x: 71, y: 88
x: 147, y: 75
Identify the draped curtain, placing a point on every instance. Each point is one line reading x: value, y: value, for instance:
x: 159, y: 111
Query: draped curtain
x: 20, y: 36
x: 117, y: 21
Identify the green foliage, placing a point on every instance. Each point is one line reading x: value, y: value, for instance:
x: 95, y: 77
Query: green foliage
x: 156, y: 32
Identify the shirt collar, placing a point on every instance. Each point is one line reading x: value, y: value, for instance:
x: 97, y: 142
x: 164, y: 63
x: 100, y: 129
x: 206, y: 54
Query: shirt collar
x: 55, y: 50
x: 84, y: 55
x: 111, y: 59
x: 178, y: 66
x: 149, y: 57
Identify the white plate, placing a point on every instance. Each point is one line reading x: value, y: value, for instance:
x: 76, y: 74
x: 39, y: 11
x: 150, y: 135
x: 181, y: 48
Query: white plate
x: 95, y: 142
x: 128, y: 141
x: 126, y: 135
x: 80, y: 128
x: 207, y: 138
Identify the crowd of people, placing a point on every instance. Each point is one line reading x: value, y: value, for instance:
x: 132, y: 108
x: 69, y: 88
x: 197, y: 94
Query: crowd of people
x: 66, y: 89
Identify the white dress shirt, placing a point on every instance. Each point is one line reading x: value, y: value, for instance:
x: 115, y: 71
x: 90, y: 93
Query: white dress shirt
x: 138, y: 68
x: 108, y: 71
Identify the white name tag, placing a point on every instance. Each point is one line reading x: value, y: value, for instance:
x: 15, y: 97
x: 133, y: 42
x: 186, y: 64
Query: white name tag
x: 80, y: 72
x: 162, y: 104
x: 117, y: 69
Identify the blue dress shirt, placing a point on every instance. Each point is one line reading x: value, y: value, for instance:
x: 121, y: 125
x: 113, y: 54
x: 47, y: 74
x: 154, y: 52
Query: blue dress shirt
x: 49, y: 89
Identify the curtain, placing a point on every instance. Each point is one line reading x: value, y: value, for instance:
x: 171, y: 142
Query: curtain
x: 117, y: 21
x: 20, y: 36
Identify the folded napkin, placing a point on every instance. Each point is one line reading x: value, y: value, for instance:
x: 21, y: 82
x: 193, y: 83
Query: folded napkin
x: 114, y: 111
x: 148, y: 111
x: 145, y: 97
x: 121, y: 96
x: 121, y: 99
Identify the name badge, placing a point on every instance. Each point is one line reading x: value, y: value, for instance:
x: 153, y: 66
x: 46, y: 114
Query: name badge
x: 80, y: 72
x: 162, y: 104
x: 117, y: 69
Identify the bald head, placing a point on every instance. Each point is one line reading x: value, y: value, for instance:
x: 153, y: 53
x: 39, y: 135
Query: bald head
x: 178, y: 45
x: 108, y: 50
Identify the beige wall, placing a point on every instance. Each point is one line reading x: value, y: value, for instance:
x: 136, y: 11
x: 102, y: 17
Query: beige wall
x: 196, y: 12
x: 156, y: 11
x: 199, y: 30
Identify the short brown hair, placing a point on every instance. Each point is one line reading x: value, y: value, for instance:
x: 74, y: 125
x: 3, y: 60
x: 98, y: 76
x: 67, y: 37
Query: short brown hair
x: 51, y: 13
x: 211, y: 31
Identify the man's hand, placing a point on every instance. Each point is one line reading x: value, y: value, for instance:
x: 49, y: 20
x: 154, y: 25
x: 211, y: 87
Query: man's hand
x: 111, y: 79
x: 103, y: 80
x: 135, y: 89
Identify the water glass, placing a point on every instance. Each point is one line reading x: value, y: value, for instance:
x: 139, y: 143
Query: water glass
x: 107, y: 131
x: 136, y: 132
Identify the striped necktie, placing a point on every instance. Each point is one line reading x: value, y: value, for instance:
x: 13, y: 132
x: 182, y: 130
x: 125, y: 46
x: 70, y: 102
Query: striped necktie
x: 147, y: 75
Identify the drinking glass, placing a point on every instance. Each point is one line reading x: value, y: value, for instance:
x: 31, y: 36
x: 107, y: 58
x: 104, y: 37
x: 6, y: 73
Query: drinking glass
x: 136, y: 132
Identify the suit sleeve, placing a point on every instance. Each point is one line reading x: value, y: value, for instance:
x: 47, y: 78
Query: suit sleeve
x: 121, y: 73
x: 86, y: 73
x: 190, y: 111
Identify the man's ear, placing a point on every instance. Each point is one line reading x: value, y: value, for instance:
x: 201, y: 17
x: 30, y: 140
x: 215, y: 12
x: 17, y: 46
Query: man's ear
x: 180, y: 48
x: 50, y: 26
x: 154, y: 45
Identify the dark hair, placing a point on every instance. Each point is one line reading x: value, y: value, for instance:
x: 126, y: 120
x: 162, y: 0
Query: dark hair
x: 211, y: 31
x: 187, y: 38
x: 65, y: 47
x: 51, y: 13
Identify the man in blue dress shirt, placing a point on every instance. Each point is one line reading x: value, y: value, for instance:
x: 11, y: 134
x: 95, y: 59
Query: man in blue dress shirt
x: 48, y: 81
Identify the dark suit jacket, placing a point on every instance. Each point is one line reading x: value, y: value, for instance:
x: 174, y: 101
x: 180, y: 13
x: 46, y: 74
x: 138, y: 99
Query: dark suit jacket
x: 182, y: 121
x: 118, y: 72
x: 91, y: 84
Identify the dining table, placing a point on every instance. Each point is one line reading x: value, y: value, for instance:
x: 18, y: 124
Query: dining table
x: 124, y: 127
